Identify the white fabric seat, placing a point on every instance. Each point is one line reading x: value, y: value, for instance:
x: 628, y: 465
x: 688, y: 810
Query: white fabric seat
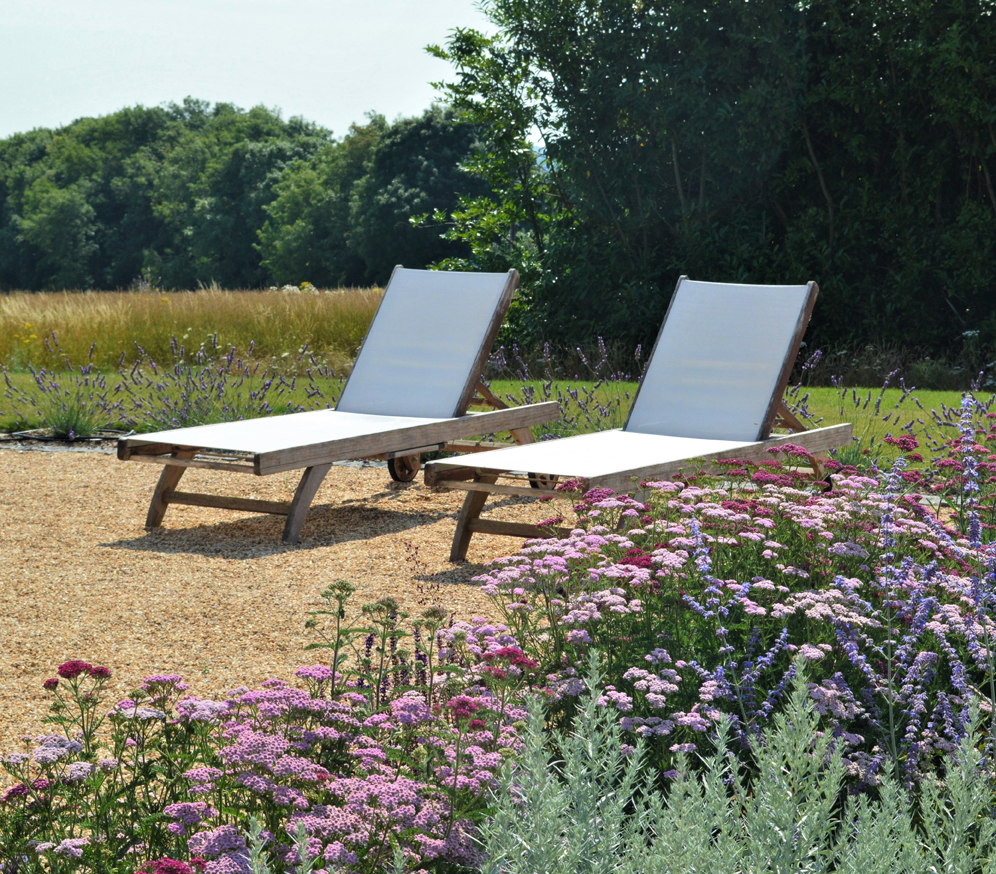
x: 596, y: 456
x: 274, y: 433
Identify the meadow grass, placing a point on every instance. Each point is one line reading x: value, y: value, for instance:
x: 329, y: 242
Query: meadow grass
x: 277, y: 324
x: 589, y: 406
x: 831, y: 406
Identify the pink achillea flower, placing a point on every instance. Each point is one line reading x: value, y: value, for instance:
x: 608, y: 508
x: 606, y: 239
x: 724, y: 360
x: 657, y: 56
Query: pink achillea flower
x: 187, y: 814
x: 463, y: 707
x: 72, y: 669
x: 812, y: 653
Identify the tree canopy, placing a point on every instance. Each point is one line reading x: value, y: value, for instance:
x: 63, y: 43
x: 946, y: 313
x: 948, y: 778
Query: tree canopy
x: 601, y: 147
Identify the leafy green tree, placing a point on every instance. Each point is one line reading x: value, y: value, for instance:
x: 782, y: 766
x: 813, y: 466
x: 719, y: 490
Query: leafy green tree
x: 213, y: 187
x: 175, y: 192
x: 418, y: 169
x: 191, y: 193
x: 60, y: 225
x: 847, y: 141
x: 305, y: 234
x: 634, y: 158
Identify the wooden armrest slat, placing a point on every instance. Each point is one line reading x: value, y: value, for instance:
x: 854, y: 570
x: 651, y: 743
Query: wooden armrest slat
x: 493, y: 489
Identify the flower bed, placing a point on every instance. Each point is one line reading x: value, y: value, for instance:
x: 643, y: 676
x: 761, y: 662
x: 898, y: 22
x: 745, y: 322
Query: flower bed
x: 703, y: 595
x: 390, y: 758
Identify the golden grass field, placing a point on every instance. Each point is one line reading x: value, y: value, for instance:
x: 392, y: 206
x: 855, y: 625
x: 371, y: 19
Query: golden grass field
x: 332, y: 323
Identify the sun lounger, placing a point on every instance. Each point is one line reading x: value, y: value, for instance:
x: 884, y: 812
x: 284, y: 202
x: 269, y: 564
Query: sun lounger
x: 712, y: 390
x: 417, y: 373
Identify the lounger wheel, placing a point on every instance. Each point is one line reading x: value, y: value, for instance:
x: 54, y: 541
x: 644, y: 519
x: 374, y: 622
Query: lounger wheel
x: 542, y: 480
x: 404, y: 467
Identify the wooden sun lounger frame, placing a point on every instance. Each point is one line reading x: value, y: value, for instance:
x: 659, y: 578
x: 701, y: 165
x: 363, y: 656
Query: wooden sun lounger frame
x: 317, y: 458
x: 481, y: 483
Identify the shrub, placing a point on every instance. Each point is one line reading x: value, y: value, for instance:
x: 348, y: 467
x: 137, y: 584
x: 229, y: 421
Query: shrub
x: 73, y: 404
x: 583, y: 801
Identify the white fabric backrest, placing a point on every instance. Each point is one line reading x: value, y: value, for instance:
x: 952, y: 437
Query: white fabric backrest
x: 719, y: 359
x: 424, y: 343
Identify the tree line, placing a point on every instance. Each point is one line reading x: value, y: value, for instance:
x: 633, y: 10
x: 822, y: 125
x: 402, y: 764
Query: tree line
x: 192, y: 194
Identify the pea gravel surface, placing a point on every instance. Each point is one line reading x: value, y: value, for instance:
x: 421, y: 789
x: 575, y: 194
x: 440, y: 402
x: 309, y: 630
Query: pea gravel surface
x: 213, y: 595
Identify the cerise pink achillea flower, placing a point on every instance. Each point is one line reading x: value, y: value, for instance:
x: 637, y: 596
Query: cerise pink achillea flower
x: 72, y: 669
x: 462, y: 706
x: 100, y: 672
x: 50, y: 683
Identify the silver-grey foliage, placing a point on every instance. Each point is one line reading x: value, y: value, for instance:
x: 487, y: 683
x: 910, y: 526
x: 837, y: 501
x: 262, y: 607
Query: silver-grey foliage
x: 594, y: 810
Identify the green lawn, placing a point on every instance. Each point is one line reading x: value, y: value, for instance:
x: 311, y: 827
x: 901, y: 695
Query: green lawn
x: 833, y: 407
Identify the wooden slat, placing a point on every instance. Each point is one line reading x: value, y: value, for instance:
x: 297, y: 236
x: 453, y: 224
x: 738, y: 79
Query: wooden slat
x: 529, y: 492
x: 171, y: 461
x: 168, y: 480
x: 127, y: 451
x: 474, y: 384
x: 793, y: 352
x: 473, y: 503
x: 415, y: 450
x: 474, y: 446
x: 226, y: 502
x: 786, y: 416
x: 513, y: 529
x: 311, y: 479
x: 394, y: 441
x: 434, y: 476
x: 489, y: 397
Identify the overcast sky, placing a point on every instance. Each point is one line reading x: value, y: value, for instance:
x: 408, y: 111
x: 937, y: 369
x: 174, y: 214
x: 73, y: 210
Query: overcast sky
x: 330, y: 61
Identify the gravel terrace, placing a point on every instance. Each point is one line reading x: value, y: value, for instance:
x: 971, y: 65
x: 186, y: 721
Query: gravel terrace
x: 213, y: 595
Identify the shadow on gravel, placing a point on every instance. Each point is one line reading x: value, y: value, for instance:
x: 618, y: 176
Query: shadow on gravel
x: 252, y: 537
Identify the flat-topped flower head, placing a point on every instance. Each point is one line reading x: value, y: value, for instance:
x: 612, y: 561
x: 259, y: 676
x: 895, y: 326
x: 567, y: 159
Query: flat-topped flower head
x: 74, y: 668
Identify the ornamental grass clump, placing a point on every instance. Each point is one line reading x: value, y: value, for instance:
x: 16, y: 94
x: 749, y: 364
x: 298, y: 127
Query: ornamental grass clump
x: 705, y: 592
x: 386, y: 759
x: 584, y: 800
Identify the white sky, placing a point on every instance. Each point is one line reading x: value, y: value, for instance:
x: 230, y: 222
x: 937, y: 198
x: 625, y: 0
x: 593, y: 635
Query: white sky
x: 327, y: 60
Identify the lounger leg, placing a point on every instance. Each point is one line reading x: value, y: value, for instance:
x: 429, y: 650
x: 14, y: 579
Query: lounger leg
x: 471, y: 509
x: 305, y: 494
x: 168, y: 480
x: 522, y: 436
